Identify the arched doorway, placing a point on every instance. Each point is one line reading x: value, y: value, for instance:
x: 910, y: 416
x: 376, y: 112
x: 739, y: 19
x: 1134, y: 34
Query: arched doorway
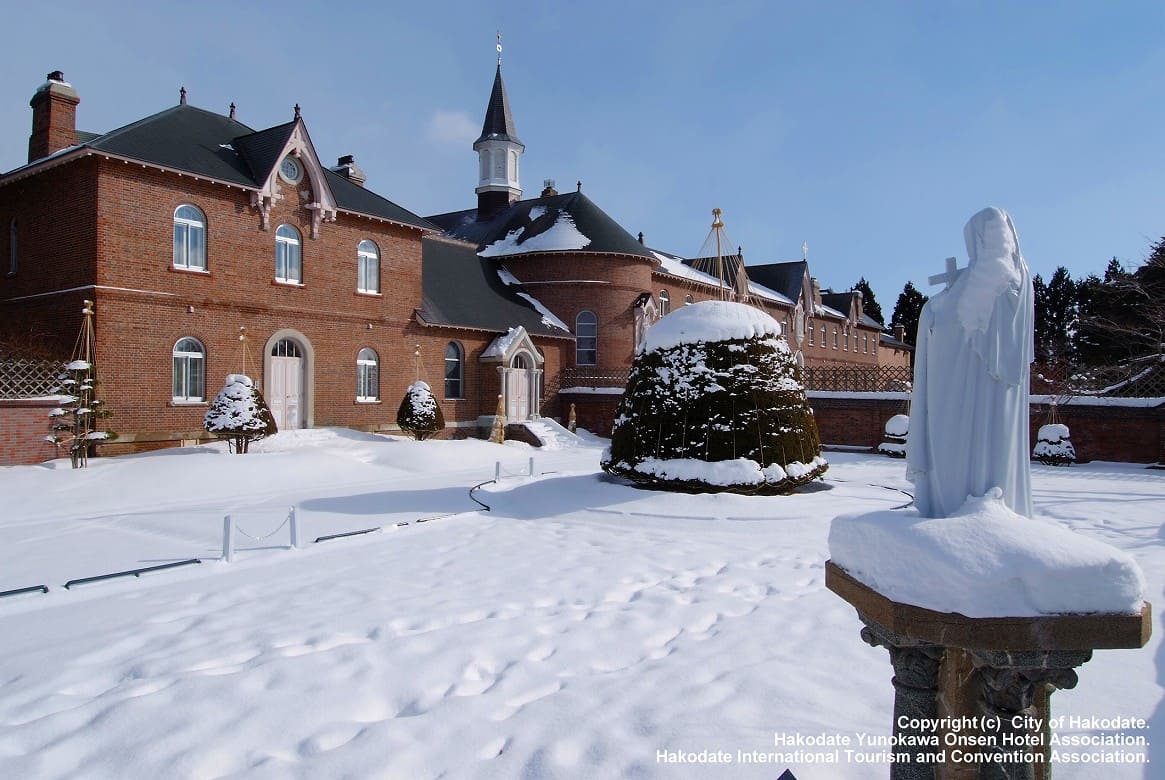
x: 287, y: 382
x: 519, y: 392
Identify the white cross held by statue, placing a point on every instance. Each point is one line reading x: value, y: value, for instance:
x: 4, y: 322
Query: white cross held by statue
x: 949, y: 276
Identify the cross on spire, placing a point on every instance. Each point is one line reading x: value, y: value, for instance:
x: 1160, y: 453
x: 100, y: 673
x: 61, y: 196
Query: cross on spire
x: 499, y: 48
x: 949, y: 277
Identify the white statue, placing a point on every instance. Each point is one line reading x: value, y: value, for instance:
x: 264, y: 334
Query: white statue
x: 969, y: 409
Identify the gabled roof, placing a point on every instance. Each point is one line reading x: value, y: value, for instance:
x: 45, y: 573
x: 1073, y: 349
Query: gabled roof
x: 199, y: 142
x: 262, y: 150
x: 499, y: 123
x: 527, y: 219
x: 786, y: 278
x: 464, y: 290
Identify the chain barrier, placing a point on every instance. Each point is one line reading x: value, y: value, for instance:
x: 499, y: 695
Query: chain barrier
x: 286, y: 520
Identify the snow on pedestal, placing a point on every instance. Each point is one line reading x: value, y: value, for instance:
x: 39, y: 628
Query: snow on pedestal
x: 714, y: 402
x: 985, y: 561
x: 1052, y: 446
x: 897, y: 427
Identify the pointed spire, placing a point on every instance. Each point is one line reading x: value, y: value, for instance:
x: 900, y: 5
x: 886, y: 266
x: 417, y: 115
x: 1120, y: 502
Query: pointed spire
x: 182, y: 96
x: 499, y: 123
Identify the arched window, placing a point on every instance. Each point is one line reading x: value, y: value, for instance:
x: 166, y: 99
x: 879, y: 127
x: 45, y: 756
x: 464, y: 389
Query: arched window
x: 865, y: 342
x: 811, y: 334
x: 845, y: 340
x: 367, y: 376
x: 664, y: 303
x: 189, y: 382
x: 513, y: 166
x: 285, y: 348
x: 189, y: 238
x: 288, y: 260
x: 835, y: 337
x: 586, y: 339
x: 688, y: 300
x: 454, y: 367
x: 368, y: 267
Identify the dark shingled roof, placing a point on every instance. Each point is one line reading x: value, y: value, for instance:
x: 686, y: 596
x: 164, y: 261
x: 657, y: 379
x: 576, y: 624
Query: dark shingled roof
x: 462, y: 289
x: 785, y: 278
x: 263, y: 149
x: 202, y: 143
x: 499, y: 123
x: 183, y: 138
x: 605, y: 234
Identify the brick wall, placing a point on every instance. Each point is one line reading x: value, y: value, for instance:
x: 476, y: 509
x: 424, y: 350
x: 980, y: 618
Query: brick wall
x: 24, y: 423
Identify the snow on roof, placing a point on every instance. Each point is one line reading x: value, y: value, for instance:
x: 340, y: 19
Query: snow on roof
x: 677, y: 267
x: 548, y: 317
x: 561, y: 236
x: 985, y: 561
x: 499, y: 346
x: 709, y: 321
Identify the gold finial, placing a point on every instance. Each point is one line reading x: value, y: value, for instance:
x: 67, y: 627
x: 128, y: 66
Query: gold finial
x: 499, y: 48
x: 716, y: 221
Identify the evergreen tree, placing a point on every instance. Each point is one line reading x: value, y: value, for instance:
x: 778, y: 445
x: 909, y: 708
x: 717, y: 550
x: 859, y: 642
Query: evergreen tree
x: 419, y: 414
x: 1123, y: 315
x: 710, y: 412
x: 1057, y: 305
x: 239, y: 414
x: 907, y: 311
x: 870, y: 304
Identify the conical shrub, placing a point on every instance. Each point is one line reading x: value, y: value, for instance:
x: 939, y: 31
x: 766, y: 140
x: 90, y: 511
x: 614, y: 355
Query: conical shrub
x: 714, y: 402
x: 239, y: 414
x: 419, y: 414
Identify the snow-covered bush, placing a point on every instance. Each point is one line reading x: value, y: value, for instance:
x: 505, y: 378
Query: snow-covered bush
x: 419, y: 414
x: 714, y: 402
x: 239, y: 414
x: 76, y: 423
x: 897, y: 427
x: 1052, y: 446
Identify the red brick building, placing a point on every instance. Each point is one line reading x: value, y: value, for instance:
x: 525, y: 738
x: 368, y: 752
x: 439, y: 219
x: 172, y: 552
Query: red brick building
x: 189, y: 229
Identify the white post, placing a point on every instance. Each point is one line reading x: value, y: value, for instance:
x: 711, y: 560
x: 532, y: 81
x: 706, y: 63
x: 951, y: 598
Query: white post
x: 294, y: 525
x: 531, y: 466
x: 228, y: 542
x: 497, y: 471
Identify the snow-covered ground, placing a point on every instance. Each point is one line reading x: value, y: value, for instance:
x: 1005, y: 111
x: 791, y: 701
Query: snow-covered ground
x: 576, y: 630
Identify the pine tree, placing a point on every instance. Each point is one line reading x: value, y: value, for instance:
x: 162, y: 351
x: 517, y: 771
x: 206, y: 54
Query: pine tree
x: 239, y: 414
x: 870, y: 304
x: 419, y: 414
x: 1123, y: 316
x: 1057, y: 310
x: 907, y: 311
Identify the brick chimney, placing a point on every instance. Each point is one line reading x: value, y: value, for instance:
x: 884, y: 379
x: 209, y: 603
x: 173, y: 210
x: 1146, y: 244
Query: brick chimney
x: 900, y: 333
x: 347, y: 167
x: 54, y: 117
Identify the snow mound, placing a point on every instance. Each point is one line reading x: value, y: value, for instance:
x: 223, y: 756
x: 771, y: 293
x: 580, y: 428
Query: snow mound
x: 709, y: 321
x: 1053, y: 433
x: 985, y: 561
x: 898, y: 425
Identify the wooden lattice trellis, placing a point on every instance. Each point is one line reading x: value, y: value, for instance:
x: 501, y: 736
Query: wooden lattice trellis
x: 25, y: 378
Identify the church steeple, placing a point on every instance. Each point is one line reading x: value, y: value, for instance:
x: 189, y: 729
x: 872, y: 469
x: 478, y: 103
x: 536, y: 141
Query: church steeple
x: 498, y: 151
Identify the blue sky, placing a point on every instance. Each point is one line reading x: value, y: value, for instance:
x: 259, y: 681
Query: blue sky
x: 870, y: 130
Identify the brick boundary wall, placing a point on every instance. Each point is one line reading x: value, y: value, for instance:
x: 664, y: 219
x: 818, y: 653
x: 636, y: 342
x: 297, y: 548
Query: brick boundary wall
x: 24, y: 423
x: 1130, y: 434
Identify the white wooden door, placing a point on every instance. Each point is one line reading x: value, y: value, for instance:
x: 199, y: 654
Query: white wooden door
x: 518, y: 394
x: 286, y: 392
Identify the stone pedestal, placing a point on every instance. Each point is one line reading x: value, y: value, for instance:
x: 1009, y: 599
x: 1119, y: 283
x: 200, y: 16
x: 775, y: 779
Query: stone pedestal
x: 986, y: 680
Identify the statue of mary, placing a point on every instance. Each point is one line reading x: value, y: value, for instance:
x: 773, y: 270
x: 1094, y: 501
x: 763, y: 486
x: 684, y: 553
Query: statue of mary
x: 969, y: 408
